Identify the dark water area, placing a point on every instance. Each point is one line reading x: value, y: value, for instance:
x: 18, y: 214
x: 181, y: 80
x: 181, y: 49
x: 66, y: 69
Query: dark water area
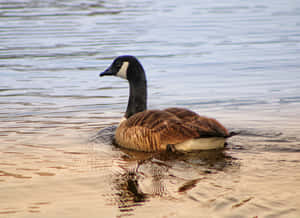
x: 237, y: 61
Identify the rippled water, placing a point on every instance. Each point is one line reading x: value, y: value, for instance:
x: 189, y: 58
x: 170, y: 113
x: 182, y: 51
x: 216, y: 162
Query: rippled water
x: 237, y: 61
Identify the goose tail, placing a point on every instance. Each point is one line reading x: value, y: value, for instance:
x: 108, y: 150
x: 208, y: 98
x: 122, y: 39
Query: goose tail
x: 232, y: 134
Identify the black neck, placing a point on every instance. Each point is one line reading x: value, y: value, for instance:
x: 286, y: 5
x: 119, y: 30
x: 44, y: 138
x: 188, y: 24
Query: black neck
x: 137, y: 101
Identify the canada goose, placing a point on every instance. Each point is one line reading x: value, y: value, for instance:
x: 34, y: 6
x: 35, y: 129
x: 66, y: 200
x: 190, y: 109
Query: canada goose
x: 159, y: 130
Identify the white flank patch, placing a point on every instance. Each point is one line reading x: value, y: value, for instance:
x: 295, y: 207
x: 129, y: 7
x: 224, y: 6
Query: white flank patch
x: 201, y: 144
x: 123, y: 70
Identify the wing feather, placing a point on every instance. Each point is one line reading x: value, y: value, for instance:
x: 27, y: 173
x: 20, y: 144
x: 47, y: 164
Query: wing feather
x: 208, y: 127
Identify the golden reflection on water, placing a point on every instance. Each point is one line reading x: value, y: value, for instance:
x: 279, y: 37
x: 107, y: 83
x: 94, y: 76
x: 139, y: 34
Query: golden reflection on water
x: 43, y: 174
x: 68, y: 174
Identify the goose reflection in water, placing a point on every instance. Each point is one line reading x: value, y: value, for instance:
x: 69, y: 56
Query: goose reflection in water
x: 163, y: 174
x: 166, y: 175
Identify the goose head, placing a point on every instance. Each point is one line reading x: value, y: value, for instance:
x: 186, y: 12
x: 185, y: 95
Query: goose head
x: 126, y: 67
x: 129, y: 68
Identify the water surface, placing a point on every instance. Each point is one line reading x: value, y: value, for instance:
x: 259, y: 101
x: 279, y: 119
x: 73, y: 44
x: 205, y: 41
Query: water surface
x: 237, y: 61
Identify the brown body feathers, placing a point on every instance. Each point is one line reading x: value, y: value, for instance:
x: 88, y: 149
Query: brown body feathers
x: 153, y: 130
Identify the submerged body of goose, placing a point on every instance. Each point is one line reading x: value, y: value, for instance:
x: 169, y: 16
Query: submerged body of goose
x: 159, y: 130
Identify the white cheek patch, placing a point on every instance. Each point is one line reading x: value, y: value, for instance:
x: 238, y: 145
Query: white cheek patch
x: 123, y: 70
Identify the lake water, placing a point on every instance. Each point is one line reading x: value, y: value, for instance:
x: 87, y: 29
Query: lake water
x: 237, y: 61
